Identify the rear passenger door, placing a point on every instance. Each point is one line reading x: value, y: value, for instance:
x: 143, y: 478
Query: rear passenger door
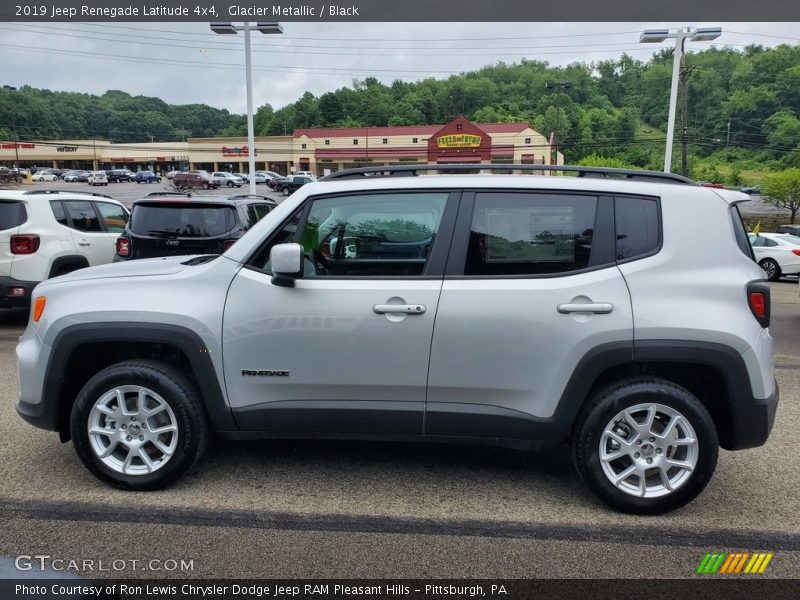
x: 531, y: 288
x: 89, y: 232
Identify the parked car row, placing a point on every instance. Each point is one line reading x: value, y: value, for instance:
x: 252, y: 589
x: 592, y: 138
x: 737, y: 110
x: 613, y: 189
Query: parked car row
x: 48, y: 233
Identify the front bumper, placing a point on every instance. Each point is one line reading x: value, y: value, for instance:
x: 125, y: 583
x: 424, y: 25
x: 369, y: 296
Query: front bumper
x: 9, y: 301
x: 752, y: 421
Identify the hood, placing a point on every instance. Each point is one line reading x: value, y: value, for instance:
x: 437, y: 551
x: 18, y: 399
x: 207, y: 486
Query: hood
x: 135, y: 268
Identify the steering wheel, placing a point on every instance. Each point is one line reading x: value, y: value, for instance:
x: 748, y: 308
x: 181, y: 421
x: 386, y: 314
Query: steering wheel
x: 319, y: 261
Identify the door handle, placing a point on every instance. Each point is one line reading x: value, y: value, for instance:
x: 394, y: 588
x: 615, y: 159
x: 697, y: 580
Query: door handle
x: 600, y: 308
x: 84, y: 243
x: 406, y: 309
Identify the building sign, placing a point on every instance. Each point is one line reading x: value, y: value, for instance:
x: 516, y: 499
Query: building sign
x: 236, y: 151
x: 66, y: 148
x: 459, y: 140
x: 12, y: 146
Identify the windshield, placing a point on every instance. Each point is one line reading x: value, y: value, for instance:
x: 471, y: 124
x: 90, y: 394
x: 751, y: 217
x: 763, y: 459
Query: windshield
x: 180, y: 220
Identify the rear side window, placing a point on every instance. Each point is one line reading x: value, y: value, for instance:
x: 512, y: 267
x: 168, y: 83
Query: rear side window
x: 637, y: 227
x: 114, y: 216
x: 83, y: 215
x: 182, y: 220
x: 12, y: 214
x: 58, y: 213
x: 530, y: 234
x: 256, y: 212
x: 740, y: 233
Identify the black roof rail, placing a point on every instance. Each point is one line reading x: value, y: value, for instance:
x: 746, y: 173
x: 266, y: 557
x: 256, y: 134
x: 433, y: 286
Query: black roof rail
x: 34, y: 192
x: 601, y: 172
x: 151, y: 194
x: 241, y: 196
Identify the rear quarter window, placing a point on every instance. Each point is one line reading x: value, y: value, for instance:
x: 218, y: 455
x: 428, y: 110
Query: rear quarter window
x: 638, y: 227
x: 12, y: 214
x: 740, y: 233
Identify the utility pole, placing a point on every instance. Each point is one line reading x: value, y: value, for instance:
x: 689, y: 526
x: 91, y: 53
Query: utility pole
x: 14, y: 125
x: 559, y: 87
x: 684, y: 112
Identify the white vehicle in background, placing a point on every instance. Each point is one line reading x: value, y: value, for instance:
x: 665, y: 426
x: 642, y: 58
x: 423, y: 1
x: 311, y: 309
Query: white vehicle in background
x: 227, y: 179
x: 310, y: 174
x: 44, y: 176
x: 98, y: 178
x: 172, y: 174
x: 777, y: 253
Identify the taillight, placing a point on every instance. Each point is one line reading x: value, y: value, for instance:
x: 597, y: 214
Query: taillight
x: 796, y: 251
x: 758, y: 299
x: 227, y: 244
x: 123, y: 246
x: 24, y: 244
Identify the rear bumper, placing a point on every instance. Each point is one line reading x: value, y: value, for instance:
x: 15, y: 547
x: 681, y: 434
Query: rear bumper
x: 752, y: 421
x: 9, y: 301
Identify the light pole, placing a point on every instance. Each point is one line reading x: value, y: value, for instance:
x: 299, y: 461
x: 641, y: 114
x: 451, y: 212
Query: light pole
x: 559, y: 87
x: 230, y: 28
x: 656, y: 36
x: 16, y: 135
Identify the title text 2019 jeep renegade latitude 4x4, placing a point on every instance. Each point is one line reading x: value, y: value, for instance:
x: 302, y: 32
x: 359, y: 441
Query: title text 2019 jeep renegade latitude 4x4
x: 509, y: 310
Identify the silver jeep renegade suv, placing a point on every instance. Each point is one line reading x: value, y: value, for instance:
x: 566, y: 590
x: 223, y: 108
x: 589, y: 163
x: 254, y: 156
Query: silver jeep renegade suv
x: 510, y: 310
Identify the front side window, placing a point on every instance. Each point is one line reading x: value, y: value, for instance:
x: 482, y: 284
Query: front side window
x: 530, y: 234
x: 83, y: 215
x: 381, y: 235
x: 114, y: 216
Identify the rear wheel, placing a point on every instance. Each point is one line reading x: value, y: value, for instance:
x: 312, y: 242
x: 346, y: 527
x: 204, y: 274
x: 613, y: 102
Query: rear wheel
x: 285, y: 191
x: 646, y: 446
x: 771, y: 268
x: 205, y: 186
x: 139, y: 425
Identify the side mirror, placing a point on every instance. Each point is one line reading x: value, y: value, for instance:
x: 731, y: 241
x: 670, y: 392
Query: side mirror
x: 287, y: 264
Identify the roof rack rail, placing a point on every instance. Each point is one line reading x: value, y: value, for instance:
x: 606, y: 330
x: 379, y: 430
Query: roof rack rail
x: 35, y: 192
x: 601, y: 172
x: 238, y: 196
x: 152, y: 194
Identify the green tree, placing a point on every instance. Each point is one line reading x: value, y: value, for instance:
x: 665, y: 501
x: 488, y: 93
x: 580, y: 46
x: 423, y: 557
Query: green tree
x: 782, y: 189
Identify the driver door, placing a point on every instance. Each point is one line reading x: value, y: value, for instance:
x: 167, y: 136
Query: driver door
x: 340, y: 352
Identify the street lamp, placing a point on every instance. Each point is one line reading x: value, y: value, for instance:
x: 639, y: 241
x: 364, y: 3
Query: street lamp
x: 230, y: 28
x: 559, y: 87
x: 16, y: 135
x: 656, y: 36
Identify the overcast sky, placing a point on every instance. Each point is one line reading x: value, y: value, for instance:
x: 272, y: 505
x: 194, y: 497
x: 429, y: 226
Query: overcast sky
x: 186, y: 63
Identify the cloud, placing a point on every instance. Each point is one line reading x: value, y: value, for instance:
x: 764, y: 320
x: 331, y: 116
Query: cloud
x: 185, y: 63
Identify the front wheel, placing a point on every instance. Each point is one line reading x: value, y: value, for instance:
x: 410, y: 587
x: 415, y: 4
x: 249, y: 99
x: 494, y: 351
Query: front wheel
x: 285, y: 191
x: 646, y: 446
x: 205, y: 186
x: 139, y: 425
x: 771, y: 268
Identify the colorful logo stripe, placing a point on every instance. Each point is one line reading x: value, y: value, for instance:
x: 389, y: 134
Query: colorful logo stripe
x: 735, y: 562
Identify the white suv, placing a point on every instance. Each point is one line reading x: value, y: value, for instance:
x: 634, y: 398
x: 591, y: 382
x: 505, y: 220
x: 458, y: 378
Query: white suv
x: 48, y: 233
x: 501, y: 310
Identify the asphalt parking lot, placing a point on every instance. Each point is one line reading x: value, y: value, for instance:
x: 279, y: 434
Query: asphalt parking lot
x: 128, y: 192
x: 288, y: 509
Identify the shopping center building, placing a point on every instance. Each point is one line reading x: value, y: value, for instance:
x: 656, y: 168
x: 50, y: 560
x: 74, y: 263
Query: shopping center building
x: 318, y: 150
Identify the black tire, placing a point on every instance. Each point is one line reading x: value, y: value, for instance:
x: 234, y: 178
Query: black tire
x: 285, y: 191
x: 230, y: 184
x: 771, y: 268
x: 177, y: 391
x: 610, y: 401
x: 205, y: 185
